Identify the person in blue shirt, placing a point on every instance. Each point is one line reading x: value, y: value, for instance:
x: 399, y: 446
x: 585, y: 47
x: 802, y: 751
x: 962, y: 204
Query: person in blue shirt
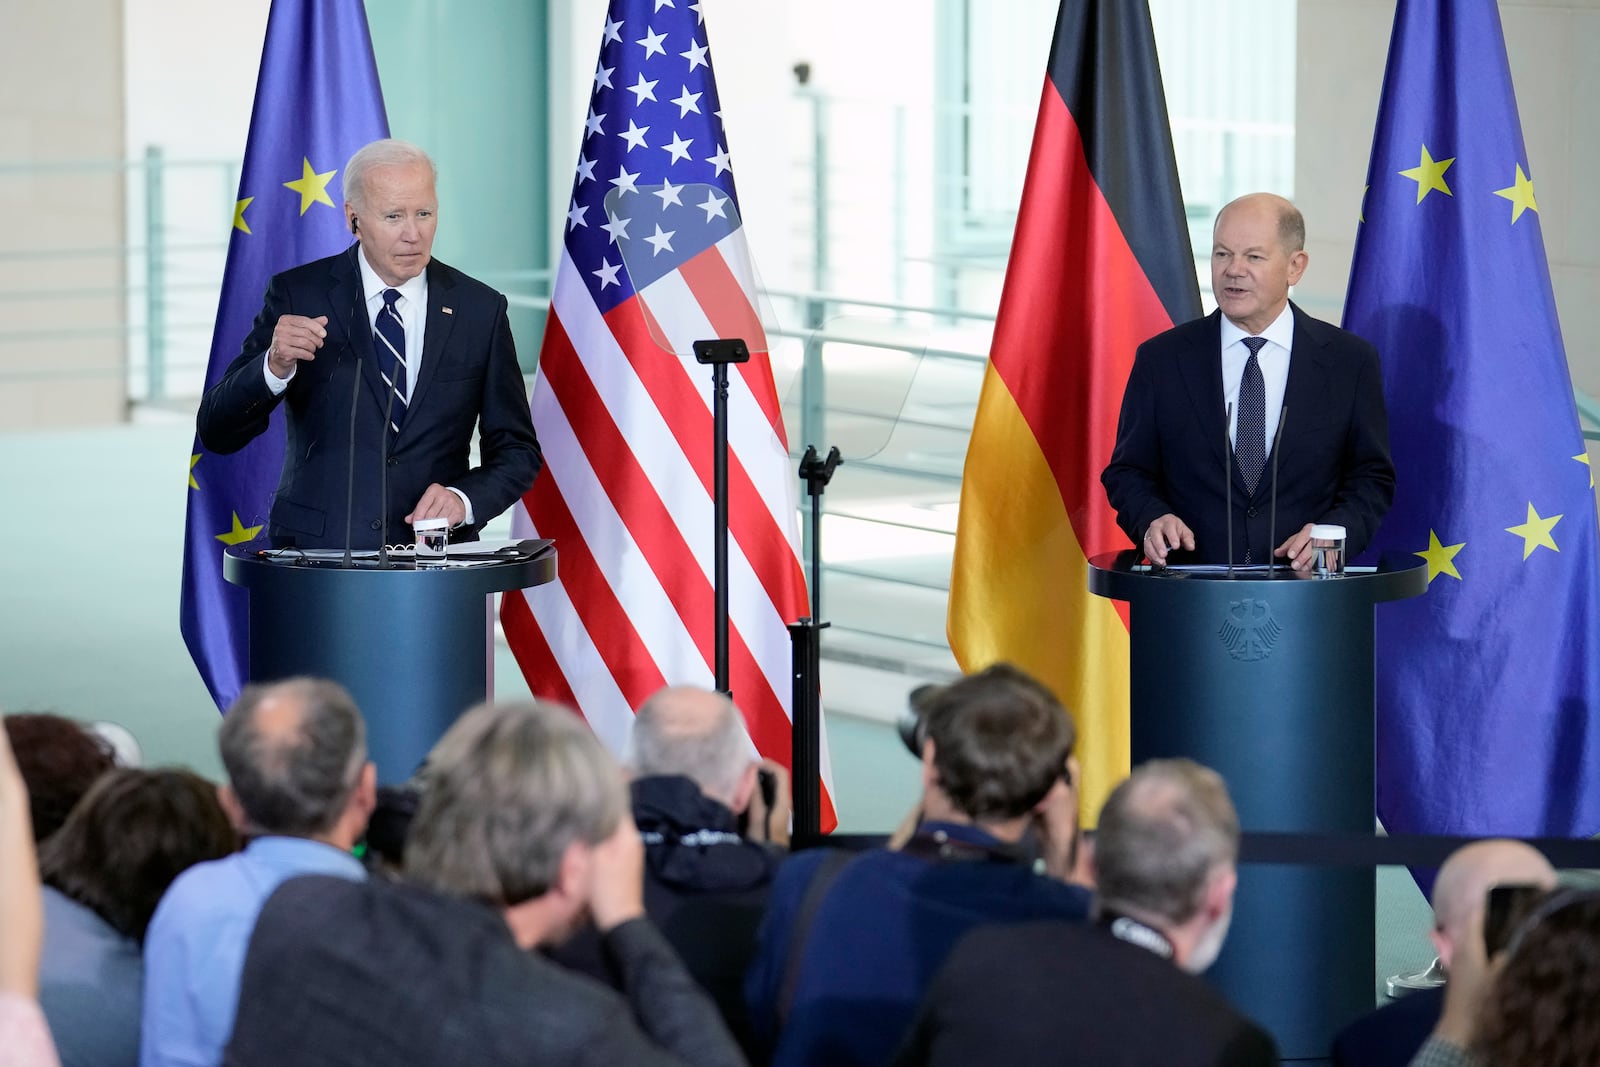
x: 300, y: 788
x: 849, y: 944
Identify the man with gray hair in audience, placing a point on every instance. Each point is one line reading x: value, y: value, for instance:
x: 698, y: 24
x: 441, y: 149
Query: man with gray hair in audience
x: 300, y: 789
x: 712, y: 816
x: 1124, y: 990
x: 523, y: 832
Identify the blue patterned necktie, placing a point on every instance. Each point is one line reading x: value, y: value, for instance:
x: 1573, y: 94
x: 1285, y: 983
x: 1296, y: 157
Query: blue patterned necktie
x: 389, y: 338
x: 1250, y: 438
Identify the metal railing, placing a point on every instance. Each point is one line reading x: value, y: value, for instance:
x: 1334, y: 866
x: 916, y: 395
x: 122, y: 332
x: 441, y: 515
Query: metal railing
x: 890, y: 515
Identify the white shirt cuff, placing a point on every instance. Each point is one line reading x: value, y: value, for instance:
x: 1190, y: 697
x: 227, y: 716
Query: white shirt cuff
x: 275, y: 383
x: 465, y: 503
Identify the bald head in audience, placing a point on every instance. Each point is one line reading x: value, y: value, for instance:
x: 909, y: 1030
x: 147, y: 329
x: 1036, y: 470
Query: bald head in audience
x: 296, y: 756
x: 1465, y: 880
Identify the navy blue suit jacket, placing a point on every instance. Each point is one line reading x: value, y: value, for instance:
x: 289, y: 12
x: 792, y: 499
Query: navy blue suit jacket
x: 1172, y: 445
x: 469, y: 376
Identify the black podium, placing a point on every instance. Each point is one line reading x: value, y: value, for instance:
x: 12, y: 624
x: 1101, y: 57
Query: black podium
x: 411, y: 644
x: 1270, y: 682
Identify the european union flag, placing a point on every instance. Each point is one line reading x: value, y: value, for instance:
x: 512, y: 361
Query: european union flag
x: 1488, y: 686
x: 317, y: 101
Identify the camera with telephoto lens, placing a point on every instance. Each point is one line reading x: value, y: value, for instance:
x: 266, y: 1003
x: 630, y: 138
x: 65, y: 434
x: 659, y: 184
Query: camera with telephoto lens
x: 912, y: 726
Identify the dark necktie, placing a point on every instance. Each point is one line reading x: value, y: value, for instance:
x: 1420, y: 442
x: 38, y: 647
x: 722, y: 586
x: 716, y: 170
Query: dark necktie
x: 389, y: 338
x: 1250, y: 438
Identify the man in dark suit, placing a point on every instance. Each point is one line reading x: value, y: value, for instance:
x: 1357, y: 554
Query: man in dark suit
x: 523, y: 831
x: 433, y: 351
x: 1177, y: 457
x: 1124, y: 990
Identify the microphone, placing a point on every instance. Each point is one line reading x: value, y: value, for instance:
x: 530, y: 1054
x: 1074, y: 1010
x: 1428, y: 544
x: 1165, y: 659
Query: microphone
x: 1227, y: 480
x: 350, y: 454
x: 1272, y: 521
x: 383, y: 481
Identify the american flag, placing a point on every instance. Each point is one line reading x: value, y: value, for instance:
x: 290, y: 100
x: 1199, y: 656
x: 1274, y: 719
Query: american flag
x: 654, y: 258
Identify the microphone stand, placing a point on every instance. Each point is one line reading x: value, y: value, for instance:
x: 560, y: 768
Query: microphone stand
x: 383, y: 483
x: 1272, y: 521
x: 1227, y: 480
x: 350, y: 463
x: 718, y: 354
x: 805, y: 635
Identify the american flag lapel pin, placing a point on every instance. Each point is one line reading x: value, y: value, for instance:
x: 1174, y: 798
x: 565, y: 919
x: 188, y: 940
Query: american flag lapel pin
x: 448, y: 311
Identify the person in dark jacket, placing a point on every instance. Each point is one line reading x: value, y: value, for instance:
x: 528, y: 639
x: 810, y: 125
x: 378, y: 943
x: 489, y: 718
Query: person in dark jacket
x: 522, y: 832
x: 1123, y: 991
x: 712, y: 837
x: 849, y: 943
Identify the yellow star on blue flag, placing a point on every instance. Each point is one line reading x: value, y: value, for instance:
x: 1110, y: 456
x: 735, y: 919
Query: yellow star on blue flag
x: 312, y: 187
x: 1488, y: 686
x: 239, y: 534
x: 316, y: 101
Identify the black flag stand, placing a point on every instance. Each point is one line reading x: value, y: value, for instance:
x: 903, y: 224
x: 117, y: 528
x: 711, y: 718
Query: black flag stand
x: 719, y: 354
x: 805, y: 634
x: 806, y: 637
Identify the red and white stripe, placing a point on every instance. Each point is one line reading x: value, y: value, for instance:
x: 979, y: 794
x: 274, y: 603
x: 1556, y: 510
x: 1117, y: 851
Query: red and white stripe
x: 626, y: 429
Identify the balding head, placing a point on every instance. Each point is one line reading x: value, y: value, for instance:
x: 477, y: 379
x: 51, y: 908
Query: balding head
x: 698, y: 734
x: 295, y: 752
x: 1465, y: 880
x: 1289, y: 222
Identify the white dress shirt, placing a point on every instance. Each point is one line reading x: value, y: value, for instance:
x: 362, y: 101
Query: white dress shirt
x: 413, y: 309
x: 1274, y: 361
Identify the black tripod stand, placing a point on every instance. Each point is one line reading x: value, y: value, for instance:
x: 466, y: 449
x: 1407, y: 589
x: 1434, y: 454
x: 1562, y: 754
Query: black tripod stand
x: 806, y: 638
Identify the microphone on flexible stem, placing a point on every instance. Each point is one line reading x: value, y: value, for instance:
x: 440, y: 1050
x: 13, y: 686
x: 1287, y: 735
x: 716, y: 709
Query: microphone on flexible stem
x: 350, y: 456
x: 1272, y: 521
x: 1227, y: 480
x: 383, y: 480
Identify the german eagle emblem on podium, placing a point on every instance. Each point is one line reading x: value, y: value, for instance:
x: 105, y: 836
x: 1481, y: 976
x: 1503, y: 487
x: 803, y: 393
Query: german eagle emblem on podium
x: 1249, y: 631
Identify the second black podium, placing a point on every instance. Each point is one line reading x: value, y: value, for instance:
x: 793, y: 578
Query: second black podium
x: 1270, y: 681
x: 412, y: 645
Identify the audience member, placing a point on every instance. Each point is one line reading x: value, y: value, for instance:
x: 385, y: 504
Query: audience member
x: 300, y: 789
x: 104, y: 872
x: 1530, y: 1003
x: 1390, y: 1036
x: 59, y: 759
x: 523, y: 831
x: 849, y: 943
x: 1124, y: 990
x: 705, y: 880
x: 24, y: 1037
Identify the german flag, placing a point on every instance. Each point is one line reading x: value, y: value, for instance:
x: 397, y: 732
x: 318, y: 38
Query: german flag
x: 1100, y: 262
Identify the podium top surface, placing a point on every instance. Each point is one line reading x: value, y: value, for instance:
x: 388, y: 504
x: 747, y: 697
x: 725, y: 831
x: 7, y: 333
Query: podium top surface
x: 466, y: 571
x: 1122, y: 576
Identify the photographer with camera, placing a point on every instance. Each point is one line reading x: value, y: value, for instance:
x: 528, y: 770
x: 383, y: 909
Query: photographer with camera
x: 850, y: 941
x: 714, y: 819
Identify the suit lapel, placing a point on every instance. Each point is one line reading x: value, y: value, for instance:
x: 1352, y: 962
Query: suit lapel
x: 1202, y: 376
x: 435, y: 337
x: 1307, y: 387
